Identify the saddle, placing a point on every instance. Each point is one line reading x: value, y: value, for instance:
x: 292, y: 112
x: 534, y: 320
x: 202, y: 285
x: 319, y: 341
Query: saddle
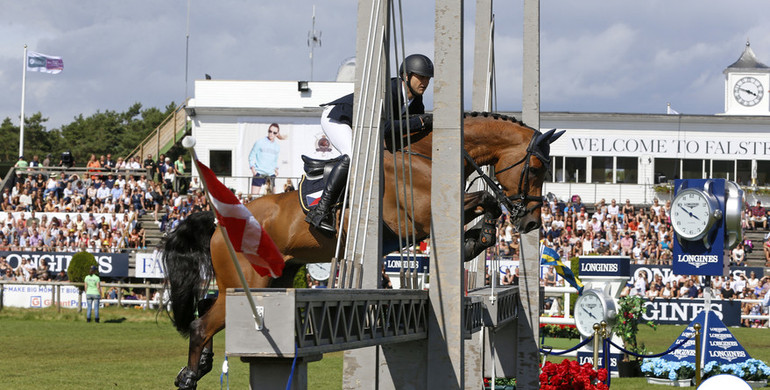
x: 313, y: 182
x: 315, y: 169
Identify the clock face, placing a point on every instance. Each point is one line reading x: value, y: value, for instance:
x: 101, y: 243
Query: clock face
x: 589, y: 310
x: 748, y: 91
x: 690, y: 214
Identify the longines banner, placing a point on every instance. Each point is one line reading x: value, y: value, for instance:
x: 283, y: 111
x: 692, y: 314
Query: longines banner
x: 667, y: 273
x: 110, y: 264
x: 683, y: 311
x: 672, y: 146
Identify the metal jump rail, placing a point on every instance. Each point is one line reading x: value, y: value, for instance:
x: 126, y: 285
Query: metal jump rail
x: 330, y: 320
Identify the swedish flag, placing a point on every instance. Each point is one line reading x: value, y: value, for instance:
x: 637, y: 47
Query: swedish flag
x: 551, y: 257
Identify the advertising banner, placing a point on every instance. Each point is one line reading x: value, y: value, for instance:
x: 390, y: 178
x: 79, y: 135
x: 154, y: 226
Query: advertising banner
x: 38, y: 296
x: 604, y: 266
x: 719, y: 344
x: 667, y: 272
x: 149, y: 266
x: 684, y: 311
x: 110, y: 264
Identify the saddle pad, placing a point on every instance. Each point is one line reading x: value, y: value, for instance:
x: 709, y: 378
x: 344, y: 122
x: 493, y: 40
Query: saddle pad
x: 310, y: 192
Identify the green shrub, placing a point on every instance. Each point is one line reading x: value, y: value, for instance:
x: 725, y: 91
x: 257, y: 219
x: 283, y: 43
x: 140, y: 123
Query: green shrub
x: 300, y: 278
x: 80, y: 267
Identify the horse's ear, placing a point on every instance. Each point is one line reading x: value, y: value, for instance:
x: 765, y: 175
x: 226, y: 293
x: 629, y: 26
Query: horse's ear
x: 557, y: 135
x: 543, y: 139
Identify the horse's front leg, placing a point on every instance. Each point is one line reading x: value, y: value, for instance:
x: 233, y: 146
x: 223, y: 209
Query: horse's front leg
x: 483, y: 234
x: 201, y: 352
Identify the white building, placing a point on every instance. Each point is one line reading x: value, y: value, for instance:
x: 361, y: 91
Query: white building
x: 602, y: 155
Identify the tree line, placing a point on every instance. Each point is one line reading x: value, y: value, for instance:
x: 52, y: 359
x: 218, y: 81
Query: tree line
x: 117, y: 133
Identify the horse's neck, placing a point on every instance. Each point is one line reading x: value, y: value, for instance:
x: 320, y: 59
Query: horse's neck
x: 488, y: 141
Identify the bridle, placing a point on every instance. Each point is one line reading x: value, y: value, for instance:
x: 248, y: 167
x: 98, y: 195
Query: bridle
x: 517, y: 203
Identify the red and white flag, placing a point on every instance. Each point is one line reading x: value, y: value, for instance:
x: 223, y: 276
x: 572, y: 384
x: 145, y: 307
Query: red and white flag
x: 243, y: 230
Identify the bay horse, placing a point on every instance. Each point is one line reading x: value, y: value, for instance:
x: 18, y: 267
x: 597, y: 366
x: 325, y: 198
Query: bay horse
x: 192, y: 253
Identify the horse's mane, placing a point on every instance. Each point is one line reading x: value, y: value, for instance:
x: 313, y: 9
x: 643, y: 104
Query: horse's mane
x: 496, y: 116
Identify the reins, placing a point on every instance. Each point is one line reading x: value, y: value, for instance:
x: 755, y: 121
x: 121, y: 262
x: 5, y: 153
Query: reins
x: 516, y: 204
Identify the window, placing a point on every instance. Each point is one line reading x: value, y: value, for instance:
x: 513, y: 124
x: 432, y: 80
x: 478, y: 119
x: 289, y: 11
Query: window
x: 693, y: 169
x: 221, y: 162
x: 665, y: 169
x: 627, y: 170
x: 575, y: 169
x: 743, y: 172
x: 723, y: 169
x: 763, y: 168
x: 601, y: 169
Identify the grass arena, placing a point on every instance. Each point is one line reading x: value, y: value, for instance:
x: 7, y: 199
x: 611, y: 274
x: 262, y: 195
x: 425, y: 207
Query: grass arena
x: 138, y: 349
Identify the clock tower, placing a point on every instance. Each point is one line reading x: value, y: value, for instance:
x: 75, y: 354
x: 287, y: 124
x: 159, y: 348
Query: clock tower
x: 746, y: 86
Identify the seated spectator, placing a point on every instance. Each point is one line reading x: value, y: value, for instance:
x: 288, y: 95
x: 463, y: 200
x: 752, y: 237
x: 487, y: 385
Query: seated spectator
x: 738, y: 255
x: 758, y: 216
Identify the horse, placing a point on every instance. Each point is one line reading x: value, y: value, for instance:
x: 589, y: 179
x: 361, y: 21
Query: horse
x: 194, y: 251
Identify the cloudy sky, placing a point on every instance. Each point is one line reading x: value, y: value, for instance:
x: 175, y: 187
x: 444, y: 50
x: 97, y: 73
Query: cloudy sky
x: 597, y: 56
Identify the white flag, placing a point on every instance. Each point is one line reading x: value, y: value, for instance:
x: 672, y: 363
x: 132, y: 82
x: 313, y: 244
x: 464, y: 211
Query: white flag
x: 37, y: 62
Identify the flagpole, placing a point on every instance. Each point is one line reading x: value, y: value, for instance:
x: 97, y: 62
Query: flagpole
x: 189, y: 143
x: 23, y: 91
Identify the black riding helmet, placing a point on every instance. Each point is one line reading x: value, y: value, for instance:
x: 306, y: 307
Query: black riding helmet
x: 416, y: 64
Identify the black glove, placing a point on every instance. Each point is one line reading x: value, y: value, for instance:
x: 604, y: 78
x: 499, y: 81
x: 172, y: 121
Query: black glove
x: 427, y: 121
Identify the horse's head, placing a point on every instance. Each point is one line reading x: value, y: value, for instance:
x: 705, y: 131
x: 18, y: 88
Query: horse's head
x: 521, y: 173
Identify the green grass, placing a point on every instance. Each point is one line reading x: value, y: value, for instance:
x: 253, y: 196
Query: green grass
x: 134, y: 349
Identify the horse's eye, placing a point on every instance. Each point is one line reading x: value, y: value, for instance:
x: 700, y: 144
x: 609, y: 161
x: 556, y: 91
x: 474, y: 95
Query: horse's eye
x: 534, y: 171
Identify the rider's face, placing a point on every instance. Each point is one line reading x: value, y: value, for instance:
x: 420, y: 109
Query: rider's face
x: 419, y: 83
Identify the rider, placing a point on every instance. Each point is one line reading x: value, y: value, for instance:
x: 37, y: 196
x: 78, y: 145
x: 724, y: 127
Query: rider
x: 337, y: 119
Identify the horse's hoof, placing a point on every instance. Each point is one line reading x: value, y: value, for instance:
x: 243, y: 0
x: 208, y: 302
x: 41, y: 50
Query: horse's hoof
x: 186, y: 379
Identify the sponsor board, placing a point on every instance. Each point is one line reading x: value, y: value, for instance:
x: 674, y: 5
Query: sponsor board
x: 684, y: 311
x: 39, y: 296
x: 588, y: 357
x: 604, y: 266
x: 110, y: 264
x: 149, y: 266
x: 719, y: 343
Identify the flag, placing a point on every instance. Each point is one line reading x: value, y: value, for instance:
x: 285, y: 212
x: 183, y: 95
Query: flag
x: 551, y: 257
x: 671, y: 111
x: 37, y: 62
x: 243, y: 230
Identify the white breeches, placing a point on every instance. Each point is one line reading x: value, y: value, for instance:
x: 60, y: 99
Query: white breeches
x: 339, y: 134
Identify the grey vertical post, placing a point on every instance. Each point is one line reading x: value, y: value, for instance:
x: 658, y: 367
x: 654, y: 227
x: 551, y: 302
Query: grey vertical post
x: 360, y: 366
x: 529, y: 281
x: 474, y: 350
x: 445, y: 343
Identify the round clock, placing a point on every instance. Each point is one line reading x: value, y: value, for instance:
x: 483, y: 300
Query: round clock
x: 319, y: 271
x: 693, y: 213
x: 591, y: 308
x: 748, y: 91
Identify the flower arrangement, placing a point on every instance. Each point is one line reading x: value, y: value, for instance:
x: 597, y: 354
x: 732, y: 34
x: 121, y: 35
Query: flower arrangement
x: 665, y: 369
x: 630, y: 309
x: 569, y: 375
x: 750, y: 370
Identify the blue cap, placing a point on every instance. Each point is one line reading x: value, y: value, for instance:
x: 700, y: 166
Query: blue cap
x: 94, y: 268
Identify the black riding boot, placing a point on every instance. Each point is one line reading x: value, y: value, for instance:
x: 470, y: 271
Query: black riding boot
x: 320, y: 216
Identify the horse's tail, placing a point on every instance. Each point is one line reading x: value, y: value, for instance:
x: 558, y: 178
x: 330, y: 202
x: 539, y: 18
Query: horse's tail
x: 187, y: 262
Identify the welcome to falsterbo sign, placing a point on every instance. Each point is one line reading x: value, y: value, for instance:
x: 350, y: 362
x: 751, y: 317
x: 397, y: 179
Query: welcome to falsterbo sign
x: 666, y: 146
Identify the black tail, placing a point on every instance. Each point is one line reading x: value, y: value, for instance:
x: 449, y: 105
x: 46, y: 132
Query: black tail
x: 187, y: 262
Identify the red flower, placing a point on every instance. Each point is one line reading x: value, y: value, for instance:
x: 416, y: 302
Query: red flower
x: 569, y: 375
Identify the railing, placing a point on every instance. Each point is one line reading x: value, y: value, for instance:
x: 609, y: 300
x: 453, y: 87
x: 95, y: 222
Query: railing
x: 165, y: 135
